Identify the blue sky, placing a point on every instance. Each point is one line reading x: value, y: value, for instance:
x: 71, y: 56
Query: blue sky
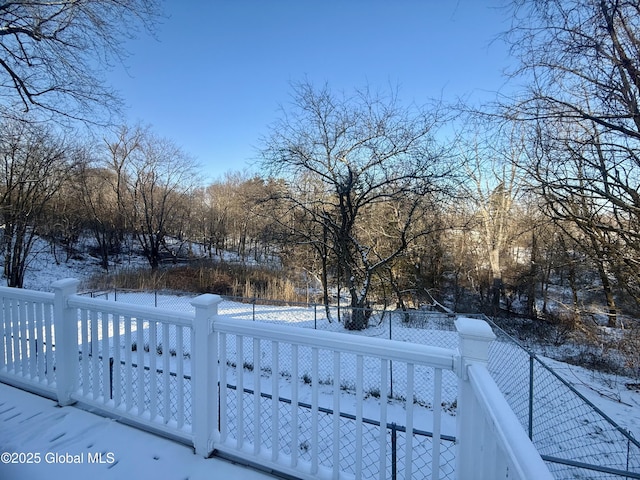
x: 218, y: 71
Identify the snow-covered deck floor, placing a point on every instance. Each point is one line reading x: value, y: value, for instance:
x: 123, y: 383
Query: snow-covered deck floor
x: 40, y: 430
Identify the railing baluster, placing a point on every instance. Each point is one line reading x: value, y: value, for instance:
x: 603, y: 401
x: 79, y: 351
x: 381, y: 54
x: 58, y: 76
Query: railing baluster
x: 295, y: 382
x: 94, y: 352
x: 336, y: 414
x: 166, y: 371
x: 31, y: 328
x: 153, y: 370
x: 359, y: 400
x: 140, y: 362
x: 224, y: 429
x: 314, y: 410
x: 275, y: 400
x: 239, y: 391
x: 408, y: 456
x: 7, y: 333
x: 14, y: 331
x: 84, y: 339
x: 12, y: 342
x: 117, y: 366
x: 437, y: 423
x: 180, y: 385
x: 24, y: 354
x: 48, y: 325
x: 128, y: 372
x: 15, y: 325
x: 16, y: 337
x: 40, y: 339
x: 384, y: 379
x: 192, y: 342
x: 257, y: 443
x: 15, y: 334
x: 106, y: 374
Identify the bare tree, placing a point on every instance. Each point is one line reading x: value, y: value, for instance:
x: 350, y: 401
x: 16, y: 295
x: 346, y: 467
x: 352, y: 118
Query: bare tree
x: 152, y: 177
x: 211, y: 219
x: 35, y: 165
x: 52, y: 53
x: 65, y: 219
x: 492, y: 190
x: 361, y: 152
x: 101, y: 213
x: 582, y: 59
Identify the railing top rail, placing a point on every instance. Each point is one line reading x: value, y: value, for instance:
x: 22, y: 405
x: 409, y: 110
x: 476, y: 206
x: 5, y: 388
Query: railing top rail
x: 163, y: 315
x: 506, y: 427
x: 23, y: 294
x: 377, y: 347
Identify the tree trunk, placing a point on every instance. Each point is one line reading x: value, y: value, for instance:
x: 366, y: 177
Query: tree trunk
x: 533, y: 274
x: 496, y: 276
x: 612, y: 314
x: 358, y: 317
x: 571, y: 277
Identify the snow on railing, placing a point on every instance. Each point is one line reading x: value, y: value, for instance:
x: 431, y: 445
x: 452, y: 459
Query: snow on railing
x: 308, y: 404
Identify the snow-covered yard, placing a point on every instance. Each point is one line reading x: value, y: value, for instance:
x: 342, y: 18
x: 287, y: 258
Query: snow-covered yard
x: 563, y: 425
x: 552, y: 432
x: 275, y: 405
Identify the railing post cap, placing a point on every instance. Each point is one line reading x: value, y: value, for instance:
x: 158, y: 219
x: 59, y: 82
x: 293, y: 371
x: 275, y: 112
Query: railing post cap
x: 474, y: 329
x: 206, y: 300
x: 66, y: 283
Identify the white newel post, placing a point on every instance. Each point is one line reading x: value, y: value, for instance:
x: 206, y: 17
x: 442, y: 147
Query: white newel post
x: 205, y: 374
x: 474, y: 339
x: 65, y: 322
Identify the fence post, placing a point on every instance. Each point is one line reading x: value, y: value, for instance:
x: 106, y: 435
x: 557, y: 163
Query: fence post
x: 530, y: 426
x: 315, y: 316
x: 474, y: 339
x: 394, y: 452
x: 205, y: 374
x: 111, y: 378
x: 65, y: 322
x: 253, y: 308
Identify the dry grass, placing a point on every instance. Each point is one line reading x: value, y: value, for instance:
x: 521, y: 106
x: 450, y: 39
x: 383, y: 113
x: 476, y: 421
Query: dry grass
x: 205, y: 277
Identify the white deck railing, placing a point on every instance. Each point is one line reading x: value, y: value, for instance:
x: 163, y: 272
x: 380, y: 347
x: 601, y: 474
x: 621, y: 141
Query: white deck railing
x: 27, y: 354
x: 309, y: 404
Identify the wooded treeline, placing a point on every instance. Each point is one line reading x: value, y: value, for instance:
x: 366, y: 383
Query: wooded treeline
x: 474, y: 236
x: 532, y: 205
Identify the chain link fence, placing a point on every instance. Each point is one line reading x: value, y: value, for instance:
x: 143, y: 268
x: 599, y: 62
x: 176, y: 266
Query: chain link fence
x: 575, y: 438
x: 419, y: 326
